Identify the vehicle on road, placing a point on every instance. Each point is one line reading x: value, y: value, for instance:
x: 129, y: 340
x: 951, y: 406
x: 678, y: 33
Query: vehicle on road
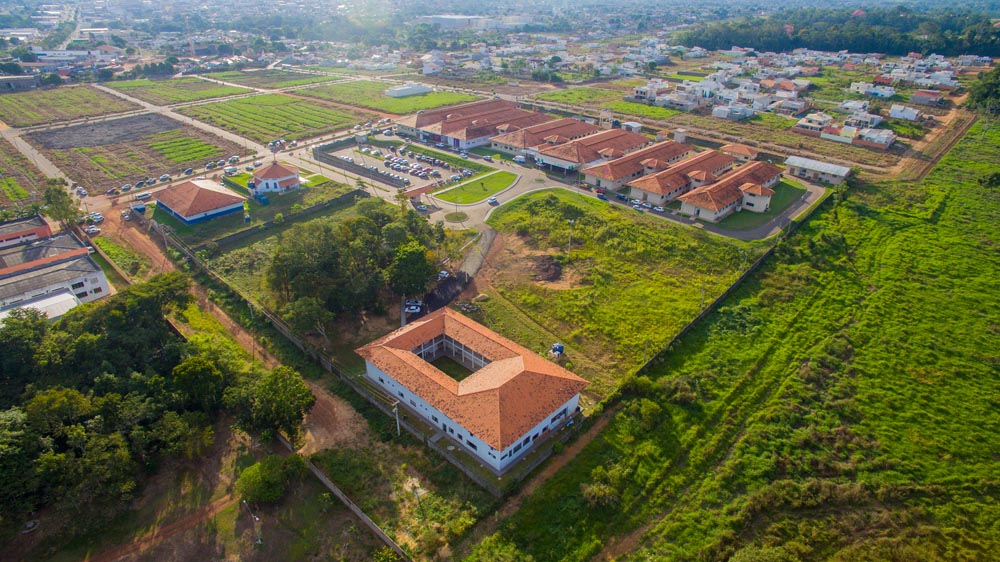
x: 602, y: 197
x: 488, y: 158
x: 658, y: 209
x: 492, y: 201
x: 421, y: 208
x: 143, y: 196
x: 519, y: 159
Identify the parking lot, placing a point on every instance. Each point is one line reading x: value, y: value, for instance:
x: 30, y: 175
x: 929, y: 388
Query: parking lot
x: 413, y: 169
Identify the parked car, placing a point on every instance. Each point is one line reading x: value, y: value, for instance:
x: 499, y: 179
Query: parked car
x: 488, y: 158
x: 658, y: 209
x: 92, y: 230
x: 126, y: 187
x: 602, y: 197
x: 188, y: 171
x: 646, y: 205
x: 143, y: 196
x: 421, y: 208
x: 257, y: 164
x: 112, y: 191
x: 621, y: 197
x: 442, y: 275
x: 519, y: 159
x: 637, y: 207
x: 165, y: 177
x: 413, y: 310
x: 600, y: 190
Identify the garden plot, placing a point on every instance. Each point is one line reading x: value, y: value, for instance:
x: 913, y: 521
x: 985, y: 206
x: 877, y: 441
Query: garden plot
x: 62, y: 104
x: 165, y: 92
x: 107, y: 154
x: 368, y: 94
x: 272, y: 116
x: 18, y: 176
x: 270, y: 78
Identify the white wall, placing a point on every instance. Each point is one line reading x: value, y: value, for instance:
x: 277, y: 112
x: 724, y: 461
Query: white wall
x: 89, y: 287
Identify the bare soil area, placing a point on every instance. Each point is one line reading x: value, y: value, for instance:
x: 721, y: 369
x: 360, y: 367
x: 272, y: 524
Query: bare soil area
x: 104, y: 133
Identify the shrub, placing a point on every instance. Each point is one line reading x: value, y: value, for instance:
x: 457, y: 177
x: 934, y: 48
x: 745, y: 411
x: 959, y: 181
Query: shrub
x: 267, y: 480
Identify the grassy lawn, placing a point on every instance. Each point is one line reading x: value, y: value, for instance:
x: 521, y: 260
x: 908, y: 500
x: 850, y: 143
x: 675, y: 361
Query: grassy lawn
x: 452, y: 368
x: 132, y: 262
x: 846, y: 385
x: 367, y: 94
x: 24, y: 109
x: 773, y: 121
x: 18, y: 176
x: 630, y: 279
x: 478, y: 189
x: 176, y: 90
x: 640, y: 109
x: 584, y: 95
x: 271, y: 116
x: 688, y: 77
x: 785, y: 193
x: 487, y: 151
x: 284, y: 203
x: 269, y: 78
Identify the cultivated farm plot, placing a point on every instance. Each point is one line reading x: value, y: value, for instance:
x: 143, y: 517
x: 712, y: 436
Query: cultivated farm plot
x: 272, y: 116
x: 368, y: 94
x: 270, y: 78
x: 178, y: 90
x: 18, y: 176
x: 629, y: 284
x: 110, y: 153
x: 25, y: 109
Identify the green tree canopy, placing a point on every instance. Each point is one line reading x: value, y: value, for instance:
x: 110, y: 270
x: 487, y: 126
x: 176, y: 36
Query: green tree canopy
x: 276, y: 401
x: 59, y: 205
x: 411, y: 269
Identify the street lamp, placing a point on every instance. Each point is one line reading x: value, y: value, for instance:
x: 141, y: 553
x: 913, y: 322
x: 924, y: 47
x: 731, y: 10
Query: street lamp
x: 255, y: 518
x: 571, y: 223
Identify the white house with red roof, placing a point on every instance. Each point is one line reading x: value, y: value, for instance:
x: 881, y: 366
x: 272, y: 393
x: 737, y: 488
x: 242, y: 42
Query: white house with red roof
x: 748, y: 187
x: 510, y: 398
x: 276, y: 178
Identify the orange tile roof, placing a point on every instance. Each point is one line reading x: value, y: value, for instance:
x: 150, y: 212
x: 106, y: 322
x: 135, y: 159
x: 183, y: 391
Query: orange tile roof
x: 566, y: 128
x: 424, y: 118
x: 275, y: 171
x: 500, y: 402
x: 473, y: 120
x: 194, y: 197
x: 631, y: 164
x: 589, y: 148
x: 741, y: 149
x: 730, y: 188
x: 680, y: 174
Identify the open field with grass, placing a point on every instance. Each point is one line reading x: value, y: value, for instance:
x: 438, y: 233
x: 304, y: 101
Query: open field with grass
x: 833, y: 85
x: 273, y: 116
x: 786, y: 192
x: 132, y: 262
x: 478, y: 189
x: 367, y: 94
x: 111, y: 153
x: 284, y: 204
x: 269, y: 78
x: 627, y: 286
x: 18, y: 176
x: 584, y: 95
x: 61, y: 104
x: 839, y: 406
x: 177, y: 90
x: 779, y: 122
x: 631, y: 108
x: 351, y: 71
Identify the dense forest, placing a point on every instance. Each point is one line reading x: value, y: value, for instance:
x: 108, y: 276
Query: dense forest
x: 96, y: 401
x: 894, y: 31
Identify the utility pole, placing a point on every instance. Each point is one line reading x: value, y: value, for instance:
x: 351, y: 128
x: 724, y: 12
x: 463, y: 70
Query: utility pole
x: 395, y: 410
x: 571, y: 223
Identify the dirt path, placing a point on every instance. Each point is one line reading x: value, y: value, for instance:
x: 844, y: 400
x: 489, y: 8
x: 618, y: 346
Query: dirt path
x: 488, y: 525
x: 161, y: 534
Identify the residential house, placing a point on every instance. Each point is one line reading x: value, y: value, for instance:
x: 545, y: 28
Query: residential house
x: 815, y: 170
x: 789, y: 107
x: 862, y: 118
x: 661, y: 187
x: 927, y: 97
x: 615, y: 173
x: 649, y: 91
x: 905, y: 113
x: 813, y: 124
x: 512, y: 400
x: 748, y: 187
x: 603, y: 145
x: 198, y: 200
x: 733, y: 112
x: 851, y: 106
x: 275, y: 178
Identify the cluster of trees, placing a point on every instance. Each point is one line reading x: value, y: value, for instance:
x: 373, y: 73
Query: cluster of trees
x: 92, y: 403
x: 319, y: 268
x: 895, y: 31
x: 984, y: 93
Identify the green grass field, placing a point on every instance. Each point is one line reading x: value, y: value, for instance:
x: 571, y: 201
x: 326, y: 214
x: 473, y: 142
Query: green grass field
x: 367, y: 94
x: 840, y: 405
x: 271, y: 116
x: 177, y: 90
x: 640, y: 109
x: 18, y: 176
x: 478, y: 189
x: 133, y: 263
x: 633, y: 279
x: 583, y: 95
x: 785, y: 193
x: 181, y: 149
x: 24, y: 109
x: 269, y: 78
x: 773, y: 121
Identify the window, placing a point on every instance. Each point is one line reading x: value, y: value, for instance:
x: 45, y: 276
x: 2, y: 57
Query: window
x: 380, y: 380
x: 77, y: 285
x: 472, y: 446
x: 96, y: 291
x: 412, y: 403
x: 435, y: 418
x: 401, y: 395
x: 82, y: 295
x: 748, y: 204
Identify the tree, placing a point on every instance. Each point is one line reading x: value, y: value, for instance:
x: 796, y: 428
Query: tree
x: 20, y: 336
x: 59, y: 205
x: 105, y: 75
x: 308, y: 314
x: 52, y: 80
x: 200, y: 382
x: 266, y: 481
x: 11, y: 68
x: 411, y: 269
x: 277, y: 401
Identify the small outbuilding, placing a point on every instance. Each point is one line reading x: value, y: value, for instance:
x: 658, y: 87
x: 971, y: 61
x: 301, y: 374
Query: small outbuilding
x: 276, y: 178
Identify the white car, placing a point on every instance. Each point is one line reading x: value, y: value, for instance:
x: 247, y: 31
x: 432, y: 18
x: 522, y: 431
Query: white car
x: 492, y: 201
x: 442, y: 275
x: 658, y: 209
x: 413, y: 310
x: 92, y: 230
